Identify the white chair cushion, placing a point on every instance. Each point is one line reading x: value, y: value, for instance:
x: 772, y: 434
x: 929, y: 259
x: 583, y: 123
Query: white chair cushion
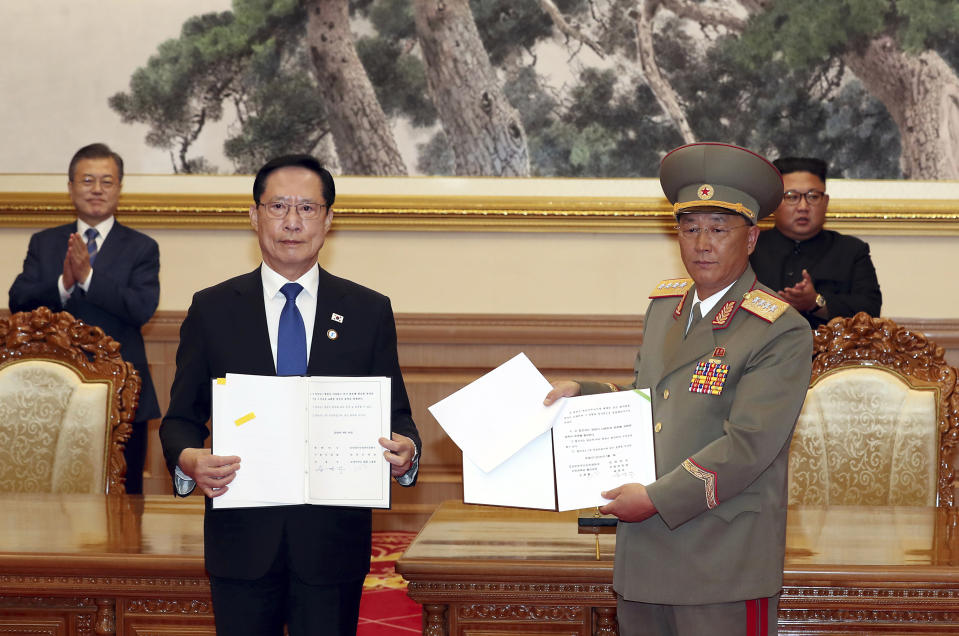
x: 865, y: 437
x: 53, y: 429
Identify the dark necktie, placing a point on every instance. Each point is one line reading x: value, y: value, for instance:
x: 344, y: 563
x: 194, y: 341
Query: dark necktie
x: 291, y: 338
x: 92, y: 235
x: 697, y: 316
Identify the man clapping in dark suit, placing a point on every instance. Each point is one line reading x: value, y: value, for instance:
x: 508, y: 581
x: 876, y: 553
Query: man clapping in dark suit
x: 102, y: 272
x: 302, y: 566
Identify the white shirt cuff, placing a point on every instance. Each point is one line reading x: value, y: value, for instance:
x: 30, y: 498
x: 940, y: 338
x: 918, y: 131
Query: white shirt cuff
x: 64, y: 292
x: 85, y: 284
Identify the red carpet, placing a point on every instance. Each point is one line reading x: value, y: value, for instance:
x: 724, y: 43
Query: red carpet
x: 385, y: 609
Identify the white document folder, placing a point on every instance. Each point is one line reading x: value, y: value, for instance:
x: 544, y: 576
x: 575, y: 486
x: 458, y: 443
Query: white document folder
x: 517, y: 452
x: 303, y: 440
x: 498, y: 414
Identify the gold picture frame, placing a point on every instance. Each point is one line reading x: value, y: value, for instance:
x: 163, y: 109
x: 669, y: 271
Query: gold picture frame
x: 471, y: 204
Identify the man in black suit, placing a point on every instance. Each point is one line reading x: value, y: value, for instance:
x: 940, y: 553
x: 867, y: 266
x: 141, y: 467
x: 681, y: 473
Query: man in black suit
x: 302, y: 566
x: 103, y: 273
x: 823, y: 274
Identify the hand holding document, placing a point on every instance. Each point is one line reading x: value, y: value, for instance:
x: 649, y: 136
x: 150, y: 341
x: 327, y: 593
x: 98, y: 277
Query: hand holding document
x: 303, y: 440
x: 512, y: 444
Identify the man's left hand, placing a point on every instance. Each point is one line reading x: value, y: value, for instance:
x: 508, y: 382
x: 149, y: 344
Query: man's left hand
x: 802, y: 295
x: 399, y: 453
x: 630, y: 502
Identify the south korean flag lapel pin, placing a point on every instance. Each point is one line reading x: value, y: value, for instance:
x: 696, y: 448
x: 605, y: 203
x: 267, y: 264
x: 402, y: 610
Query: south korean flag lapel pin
x: 332, y: 333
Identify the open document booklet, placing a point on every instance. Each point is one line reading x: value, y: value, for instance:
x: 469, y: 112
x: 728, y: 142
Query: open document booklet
x: 517, y: 452
x: 312, y: 440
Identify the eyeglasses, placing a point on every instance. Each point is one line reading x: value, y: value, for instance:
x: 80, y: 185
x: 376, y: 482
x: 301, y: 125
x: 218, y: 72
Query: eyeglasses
x: 89, y: 183
x: 306, y: 210
x: 717, y: 233
x: 813, y: 197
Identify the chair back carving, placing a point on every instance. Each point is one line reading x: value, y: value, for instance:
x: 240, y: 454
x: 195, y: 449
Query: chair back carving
x: 67, y: 399
x: 880, y: 424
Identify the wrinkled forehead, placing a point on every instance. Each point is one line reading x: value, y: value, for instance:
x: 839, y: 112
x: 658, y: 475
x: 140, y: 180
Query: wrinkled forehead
x: 712, y: 217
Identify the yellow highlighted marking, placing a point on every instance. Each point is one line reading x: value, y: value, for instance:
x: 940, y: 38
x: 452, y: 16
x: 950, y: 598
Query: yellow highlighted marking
x: 221, y: 380
x: 246, y: 418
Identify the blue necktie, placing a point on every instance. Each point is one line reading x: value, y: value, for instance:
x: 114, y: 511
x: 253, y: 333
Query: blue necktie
x: 91, y: 235
x: 291, y: 339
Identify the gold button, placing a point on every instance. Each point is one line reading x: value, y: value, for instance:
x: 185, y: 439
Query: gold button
x: 666, y: 394
x: 658, y: 427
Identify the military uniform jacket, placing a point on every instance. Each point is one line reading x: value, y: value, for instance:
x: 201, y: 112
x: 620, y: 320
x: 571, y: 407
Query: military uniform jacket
x: 721, y: 441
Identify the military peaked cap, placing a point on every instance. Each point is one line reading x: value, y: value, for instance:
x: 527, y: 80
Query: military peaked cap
x: 720, y: 177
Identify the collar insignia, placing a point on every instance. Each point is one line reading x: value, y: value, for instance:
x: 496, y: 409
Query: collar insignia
x: 721, y: 319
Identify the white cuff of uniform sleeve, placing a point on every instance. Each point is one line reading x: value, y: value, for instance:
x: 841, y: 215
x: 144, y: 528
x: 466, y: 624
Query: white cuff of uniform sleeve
x: 183, y: 484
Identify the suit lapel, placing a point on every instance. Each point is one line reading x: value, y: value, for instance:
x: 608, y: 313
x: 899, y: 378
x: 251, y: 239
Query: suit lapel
x: 110, y: 251
x: 684, y: 350
x: 674, y: 335
x: 328, y: 295
x: 62, y: 245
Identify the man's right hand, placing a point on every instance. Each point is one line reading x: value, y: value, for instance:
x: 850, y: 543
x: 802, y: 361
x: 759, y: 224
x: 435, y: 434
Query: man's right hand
x: 211, y: 472
x: 69, y: 280
x: 563, y: 388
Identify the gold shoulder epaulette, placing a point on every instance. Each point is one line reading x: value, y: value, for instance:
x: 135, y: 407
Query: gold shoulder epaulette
x: 764, y: 305
x: 671, y: 287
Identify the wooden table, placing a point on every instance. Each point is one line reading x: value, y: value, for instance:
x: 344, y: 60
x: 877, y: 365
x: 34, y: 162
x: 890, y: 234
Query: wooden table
x: 849, y: 570
x: 97, y: 564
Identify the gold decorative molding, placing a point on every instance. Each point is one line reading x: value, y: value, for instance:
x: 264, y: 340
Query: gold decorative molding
x: 444, y: 212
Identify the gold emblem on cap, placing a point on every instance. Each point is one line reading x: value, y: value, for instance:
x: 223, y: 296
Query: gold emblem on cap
x: 706, y: 192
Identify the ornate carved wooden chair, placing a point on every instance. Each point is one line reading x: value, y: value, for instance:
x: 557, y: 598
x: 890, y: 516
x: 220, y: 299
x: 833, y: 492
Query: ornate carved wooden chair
x: 66, y: 402
x: 880, y: 424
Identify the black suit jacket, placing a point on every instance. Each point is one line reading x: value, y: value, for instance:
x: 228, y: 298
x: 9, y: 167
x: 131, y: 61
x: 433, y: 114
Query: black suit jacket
x: 225, y: 331
x: 124, y: 292
x: 839, y: 265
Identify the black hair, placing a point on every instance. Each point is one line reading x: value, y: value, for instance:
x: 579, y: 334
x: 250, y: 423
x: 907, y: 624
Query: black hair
x: 95, y: 151
x: 818, y: 167
x: 300, y: 161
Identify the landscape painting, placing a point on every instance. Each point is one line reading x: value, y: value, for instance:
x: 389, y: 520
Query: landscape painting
x: 526, y: 88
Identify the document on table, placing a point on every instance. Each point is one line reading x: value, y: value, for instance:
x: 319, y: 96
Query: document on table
x: 311, y: 440
x: 517, y: 452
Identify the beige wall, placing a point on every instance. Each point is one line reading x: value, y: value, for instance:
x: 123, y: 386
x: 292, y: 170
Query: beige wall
x: 509, y: 272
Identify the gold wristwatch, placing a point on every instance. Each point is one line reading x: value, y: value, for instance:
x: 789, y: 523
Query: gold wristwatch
x: 820, y: 301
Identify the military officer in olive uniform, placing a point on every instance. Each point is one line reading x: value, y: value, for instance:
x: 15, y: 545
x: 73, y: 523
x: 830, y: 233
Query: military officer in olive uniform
x: 700, y: 550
